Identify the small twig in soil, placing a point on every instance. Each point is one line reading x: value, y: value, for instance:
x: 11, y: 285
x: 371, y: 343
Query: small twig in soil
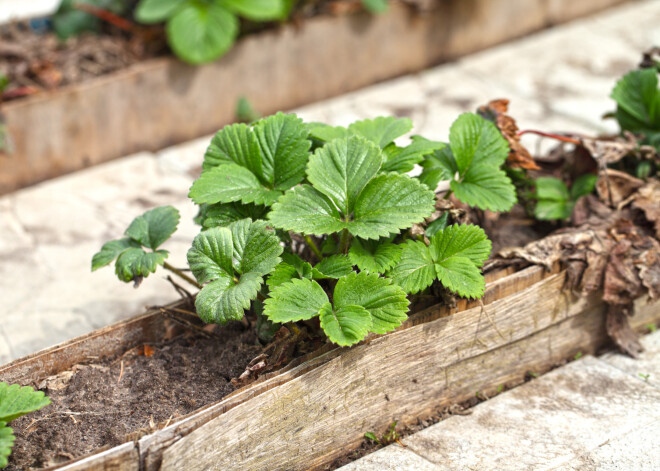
x: 121, y: 372
x: 185, y: 322
x: 182, y: 275
x: 184, y: 293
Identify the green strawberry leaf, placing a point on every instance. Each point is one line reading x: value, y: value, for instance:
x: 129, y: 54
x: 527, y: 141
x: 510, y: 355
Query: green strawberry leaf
x: 225, y: 299
x: 453, y: 257
x: 374, y: 256
x: 223, y: 214
x: 258, y: 10
x: 485, y: 187
x: 404, y: 159
x: 234, y: 259
x: 134, y: 263
x: 282, y: 273
x: 388, y: 204
x: 549, y: 188
x: 334, y: 266
x: 16, y: 401
x: 438, y: 166
x: 342, y: 168
x: 386, y: 302
x: 211, y: 255
x: 296, y: 300
x: 200, y: 32
x: 638, y: 101
x: 6, y: 443
x: 228, y: 183
x: 256, y: 248
x: 549, y: 210
x: 465, y: 240
x: 437, y: 225
x: 236, y: 144
x: 459, y: 275
x: 325, y: 133
x: 156, y: 11
x: 382, y: 130
x: 415, y: 270
x: 476, y: 142
x: 111, y: 250
x: 306, y: 210
x: 284, y: 147
x: 375, y: 6
x: 346, y: 325
x: 583, y: 186
x: 154, y: 227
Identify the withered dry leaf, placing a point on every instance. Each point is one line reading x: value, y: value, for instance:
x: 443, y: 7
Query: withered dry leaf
x: 621, y: 333
x: 614, y: 186
x: 610, y: 150
x: 551, y: 249
x: 519, y: 156
x: 647, y: 199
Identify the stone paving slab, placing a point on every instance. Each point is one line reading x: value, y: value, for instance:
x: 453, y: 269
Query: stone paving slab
x: 646, y: 367
x: 579, y: 416
x: 396, y: 458
x: 50, y: 231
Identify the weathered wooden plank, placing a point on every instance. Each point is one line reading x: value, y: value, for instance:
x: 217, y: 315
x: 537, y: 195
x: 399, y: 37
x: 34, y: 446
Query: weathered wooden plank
x: 499, y: 284
x: 162, y: 102
x: 106, y: 342
x: 121, y: 458
x: 367, y: 385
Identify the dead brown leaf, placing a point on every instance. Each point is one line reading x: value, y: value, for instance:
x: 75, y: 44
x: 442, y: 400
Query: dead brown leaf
x: 610, y: 150
x: 614, y: 186
x: 647, y: 199
x: 519, y: 156
x: 621, y: 333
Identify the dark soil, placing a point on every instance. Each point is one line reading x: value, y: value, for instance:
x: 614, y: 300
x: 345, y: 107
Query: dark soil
x: 98, y: 405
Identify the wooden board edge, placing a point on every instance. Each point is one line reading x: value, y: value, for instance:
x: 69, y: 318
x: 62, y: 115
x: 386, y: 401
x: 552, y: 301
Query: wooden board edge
x: 123, y: 457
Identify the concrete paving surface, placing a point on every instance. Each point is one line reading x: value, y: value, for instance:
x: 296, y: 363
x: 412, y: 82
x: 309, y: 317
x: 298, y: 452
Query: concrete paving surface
x: 556, y: 80
x: 591, y: 414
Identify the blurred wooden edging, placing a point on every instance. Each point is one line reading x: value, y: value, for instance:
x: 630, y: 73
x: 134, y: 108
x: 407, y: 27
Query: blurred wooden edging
x: 162, y: 102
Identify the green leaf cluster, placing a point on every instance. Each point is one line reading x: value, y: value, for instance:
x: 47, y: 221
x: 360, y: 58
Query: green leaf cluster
x: 303, y: 222
x: 15, y: 401
x: 472, y: 163
x: 555, y: 201
x: 201, y: 31
x: 361, y: 303
x: 638, y: 104
x: 453, y: 256
x: 148, y: 231
x: 233, y: 260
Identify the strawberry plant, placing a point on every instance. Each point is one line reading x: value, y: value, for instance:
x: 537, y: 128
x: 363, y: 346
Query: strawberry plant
x: 472, y: 163
x: 200, y: 31
x: 555, y: 201
x: 15, y: 401
x: 308, y: 223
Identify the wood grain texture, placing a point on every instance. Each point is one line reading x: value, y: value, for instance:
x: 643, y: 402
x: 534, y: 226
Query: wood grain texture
x: 103, y: 343
x: 121, y: 458
x: 313, y: 418
x: 162, y: 102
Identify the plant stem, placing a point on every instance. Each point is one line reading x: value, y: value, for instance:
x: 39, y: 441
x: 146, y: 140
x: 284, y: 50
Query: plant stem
x: 570, y: 140
x: 182, y: 275
x: 108, y: 16
x: 314, y: 248
x: 344, y: 240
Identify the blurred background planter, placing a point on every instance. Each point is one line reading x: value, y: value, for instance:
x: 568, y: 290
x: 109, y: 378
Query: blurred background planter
x: 163, y: 101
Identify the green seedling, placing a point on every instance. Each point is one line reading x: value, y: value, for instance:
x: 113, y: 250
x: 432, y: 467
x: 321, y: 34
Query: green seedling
x: 15, y: 401
x: 555, y: 201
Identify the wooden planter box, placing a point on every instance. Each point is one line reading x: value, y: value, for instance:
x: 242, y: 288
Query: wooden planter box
x: 162, y: 102
x: 317, y: 409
